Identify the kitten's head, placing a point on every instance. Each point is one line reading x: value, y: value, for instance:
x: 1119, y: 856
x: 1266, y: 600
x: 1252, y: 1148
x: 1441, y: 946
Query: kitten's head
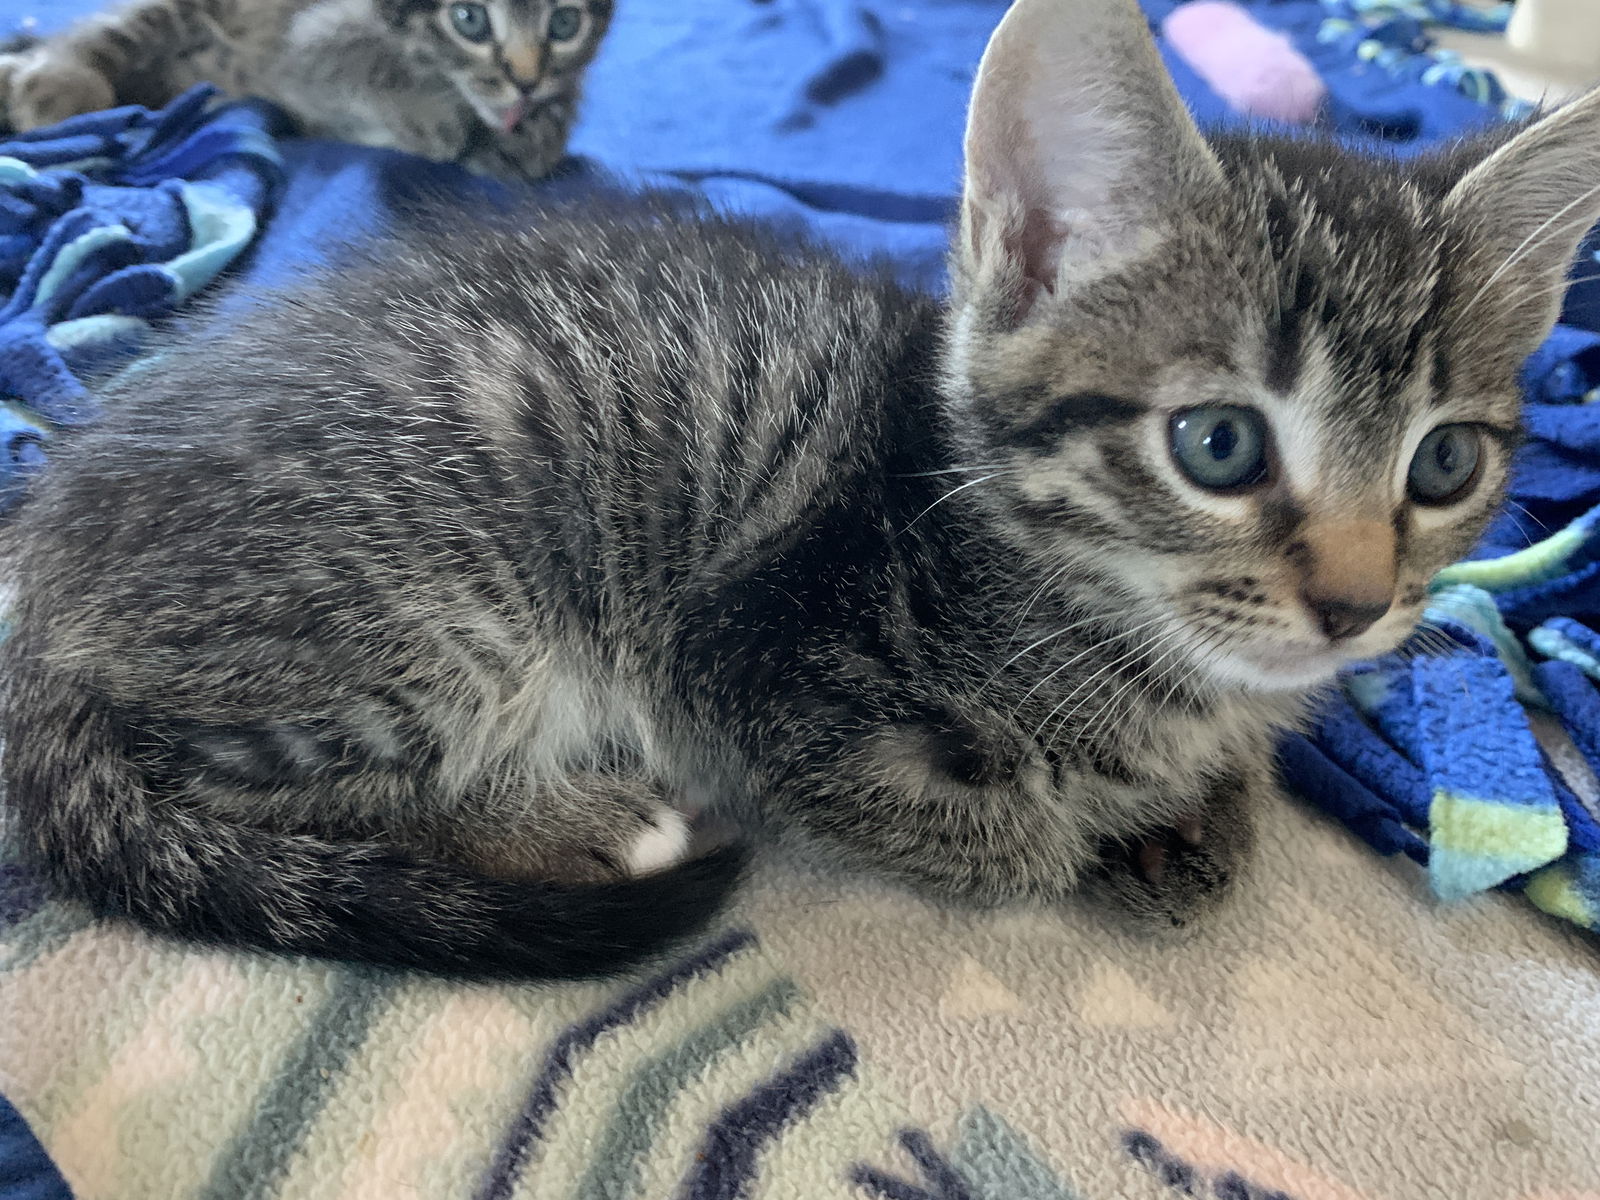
x: 1268, y: 387
x: 507, y: 57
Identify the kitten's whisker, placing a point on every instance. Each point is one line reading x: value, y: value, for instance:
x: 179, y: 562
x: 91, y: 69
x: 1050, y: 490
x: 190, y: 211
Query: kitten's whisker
x: 996, y: 467
x: 1034, y: 595
x: 1089, y: 620
x: 1429, y: 640
x: 1133, y: 680
x: 1093, y: 678
x: 1100, y: 645
x: 1444, y: 641
x: 1085, y: 651
x: 1438, y: 633
x: 1086, y: 688
x: 953, y: 491
x: 1108, y: 708
x: 1208, y: 645
x: 1429, y: 625
x: 1092, y: 722
x: 1517, y: 521
x: 1418, y: 651
x: 1533, y: 240
x: 1207, y: 640
x: 1536, y: 291
x: 1523, y: 508
x: 1030, y: 647
x: 1439, y: 644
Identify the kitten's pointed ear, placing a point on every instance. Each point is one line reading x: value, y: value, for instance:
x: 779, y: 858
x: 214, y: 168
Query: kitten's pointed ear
x: 1527, y: 207
x: 1077, y: 150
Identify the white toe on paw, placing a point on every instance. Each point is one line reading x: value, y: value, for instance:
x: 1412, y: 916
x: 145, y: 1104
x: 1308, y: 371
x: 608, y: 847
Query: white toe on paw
x: 661, y: 844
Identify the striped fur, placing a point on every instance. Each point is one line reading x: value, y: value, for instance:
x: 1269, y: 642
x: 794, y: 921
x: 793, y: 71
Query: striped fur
x: 393, y: 73
x: 475, y: 560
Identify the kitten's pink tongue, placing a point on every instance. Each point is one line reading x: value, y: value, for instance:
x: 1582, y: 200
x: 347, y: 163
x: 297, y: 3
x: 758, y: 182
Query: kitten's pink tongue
x: 514, y: 115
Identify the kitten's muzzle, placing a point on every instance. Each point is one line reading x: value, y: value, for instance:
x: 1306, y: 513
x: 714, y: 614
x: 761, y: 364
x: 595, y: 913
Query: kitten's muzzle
x: 1348, y: 574
x: 524, y: 65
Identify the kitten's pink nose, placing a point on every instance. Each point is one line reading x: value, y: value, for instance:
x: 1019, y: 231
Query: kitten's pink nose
x: 524, y: 64
x: 1347, y: 575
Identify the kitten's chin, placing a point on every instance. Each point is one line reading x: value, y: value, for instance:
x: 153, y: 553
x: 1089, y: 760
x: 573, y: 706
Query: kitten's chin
x: 1275, y: 668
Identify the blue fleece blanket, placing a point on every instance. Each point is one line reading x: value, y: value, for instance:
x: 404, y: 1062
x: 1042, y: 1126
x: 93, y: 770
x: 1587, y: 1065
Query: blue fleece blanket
x: 107, y: 222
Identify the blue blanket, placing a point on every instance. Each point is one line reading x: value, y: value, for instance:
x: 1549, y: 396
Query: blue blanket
x: 106, y: 223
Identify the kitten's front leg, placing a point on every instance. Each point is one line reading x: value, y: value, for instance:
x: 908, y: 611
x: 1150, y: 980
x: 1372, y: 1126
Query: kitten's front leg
x: 1175, y: 874
x: 959, y: 806
x: 122, y: 56
x: 43, y: 87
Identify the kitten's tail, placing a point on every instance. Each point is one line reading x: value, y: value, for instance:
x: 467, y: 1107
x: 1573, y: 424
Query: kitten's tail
x: 87, y: 814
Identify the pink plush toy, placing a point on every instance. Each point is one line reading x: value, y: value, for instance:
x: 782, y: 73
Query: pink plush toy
x: 1254, y: 69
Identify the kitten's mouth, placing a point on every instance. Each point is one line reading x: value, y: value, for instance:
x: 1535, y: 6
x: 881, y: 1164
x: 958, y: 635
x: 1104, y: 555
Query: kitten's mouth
x: 508, y: 116
x: 512, y: 115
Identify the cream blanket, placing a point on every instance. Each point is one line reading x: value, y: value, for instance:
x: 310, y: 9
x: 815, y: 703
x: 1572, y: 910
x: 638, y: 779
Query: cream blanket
x: 1334, y: 1036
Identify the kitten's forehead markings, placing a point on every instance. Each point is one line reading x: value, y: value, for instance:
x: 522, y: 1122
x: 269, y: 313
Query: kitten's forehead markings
x: 1298, y: 423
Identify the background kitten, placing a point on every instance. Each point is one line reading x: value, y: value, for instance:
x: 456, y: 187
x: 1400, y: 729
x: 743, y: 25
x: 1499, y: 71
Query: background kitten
x: 492, y: 84
x: 461, y: 570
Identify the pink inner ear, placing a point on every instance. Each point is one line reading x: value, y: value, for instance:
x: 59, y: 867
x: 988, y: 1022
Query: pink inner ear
x: 1029, y: 248
x: 1038, y: 249
x: 1006, y: 167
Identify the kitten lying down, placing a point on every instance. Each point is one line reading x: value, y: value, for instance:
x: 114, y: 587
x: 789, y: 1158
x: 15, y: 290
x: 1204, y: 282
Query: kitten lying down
x: 400, y: 631
x: 491, y: 84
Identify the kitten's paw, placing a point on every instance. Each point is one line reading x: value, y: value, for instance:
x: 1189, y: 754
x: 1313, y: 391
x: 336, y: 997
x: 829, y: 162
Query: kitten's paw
x: 45, y: 92
x: 663, y: 841
x: 1171, y: 877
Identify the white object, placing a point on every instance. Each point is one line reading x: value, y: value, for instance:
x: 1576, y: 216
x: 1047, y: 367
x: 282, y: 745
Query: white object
x: 1562, y: 33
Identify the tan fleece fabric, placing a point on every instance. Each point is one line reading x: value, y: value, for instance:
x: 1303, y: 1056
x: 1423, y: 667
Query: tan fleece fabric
x: 1335, y: 1035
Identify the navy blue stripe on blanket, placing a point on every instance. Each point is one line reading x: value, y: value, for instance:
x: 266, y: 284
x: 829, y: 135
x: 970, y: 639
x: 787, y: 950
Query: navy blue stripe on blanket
x: 726, y: 1165
x: 26, y: 1172
x: 21, y: 895
x: 501, y: 1178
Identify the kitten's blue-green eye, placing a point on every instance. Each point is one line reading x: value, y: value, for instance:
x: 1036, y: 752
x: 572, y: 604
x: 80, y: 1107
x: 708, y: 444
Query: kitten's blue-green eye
x: 565, y: 23
x: 1445, y: 465
x: 471, y: 22
x: 1221, y: 447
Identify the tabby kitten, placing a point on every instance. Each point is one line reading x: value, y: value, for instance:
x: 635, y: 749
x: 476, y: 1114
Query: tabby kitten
x: 403, y: 617
x: 492, y: 84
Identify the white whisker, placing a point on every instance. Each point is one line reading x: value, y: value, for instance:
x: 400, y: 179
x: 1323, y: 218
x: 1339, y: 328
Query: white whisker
x: 1086, y: 688
x: 1133, y: 681
x: 996, y: 467
x: 1085, y: 651
x: 1033, y: 596
x: 1536, y: 238
x: 946, y: 496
